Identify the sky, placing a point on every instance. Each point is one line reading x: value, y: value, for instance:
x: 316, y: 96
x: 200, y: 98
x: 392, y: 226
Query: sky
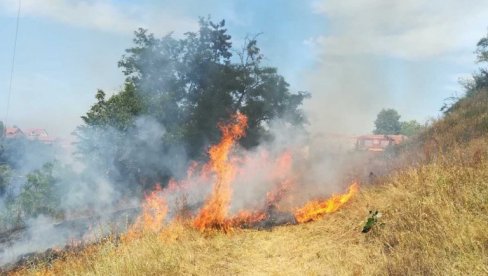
x: 354, y: 57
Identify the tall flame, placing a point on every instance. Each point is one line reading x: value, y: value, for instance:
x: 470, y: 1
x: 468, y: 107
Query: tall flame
x: 154, y: 210
x: 153, y: 214
x: 221, y: 170
x: 313, y: 210
x: 214, y: 212
x: 281, y: 172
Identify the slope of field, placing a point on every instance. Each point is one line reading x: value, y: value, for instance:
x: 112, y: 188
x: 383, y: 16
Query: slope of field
x: 434, y: 221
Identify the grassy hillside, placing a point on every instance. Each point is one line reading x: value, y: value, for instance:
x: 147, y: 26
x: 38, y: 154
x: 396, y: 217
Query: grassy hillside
x: 464, y: 122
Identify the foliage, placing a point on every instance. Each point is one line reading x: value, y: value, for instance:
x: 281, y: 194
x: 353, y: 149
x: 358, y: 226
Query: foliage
x: 188, y: 86
x: 371, y: 221
x: 2, y: 130
x: 387, y: 122
x: 5, y: 175
x: 410, y: 128
x: 39, y: 195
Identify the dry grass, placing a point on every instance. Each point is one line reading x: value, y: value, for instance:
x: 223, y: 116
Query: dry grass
x: 435, y: 222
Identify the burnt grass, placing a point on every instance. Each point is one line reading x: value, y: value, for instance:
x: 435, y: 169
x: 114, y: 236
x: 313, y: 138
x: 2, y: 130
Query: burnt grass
x: 77, y: 229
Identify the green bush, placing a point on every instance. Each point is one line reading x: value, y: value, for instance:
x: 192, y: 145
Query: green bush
x: 5, y: 176
x: 39, y: 195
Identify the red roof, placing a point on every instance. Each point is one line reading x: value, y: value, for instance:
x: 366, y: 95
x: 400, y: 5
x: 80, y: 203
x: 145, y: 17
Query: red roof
x: 39, y: 134
x: 13, y: 132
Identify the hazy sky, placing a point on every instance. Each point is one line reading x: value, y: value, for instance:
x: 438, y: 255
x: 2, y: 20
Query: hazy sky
x: 355, y: 57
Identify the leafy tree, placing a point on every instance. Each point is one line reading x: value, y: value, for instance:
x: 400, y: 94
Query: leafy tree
x: 38, y: 195
x: 191, y: 84
x: 410, y: 128
x: 387, y: 122
x: 188, y: 86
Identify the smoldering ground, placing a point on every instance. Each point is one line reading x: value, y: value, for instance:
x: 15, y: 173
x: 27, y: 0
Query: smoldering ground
x: 85, y: 195
x: 89, y: 197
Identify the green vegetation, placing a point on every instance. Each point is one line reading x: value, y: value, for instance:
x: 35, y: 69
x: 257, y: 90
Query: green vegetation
x: 388, y: 122
x: 39, y: 195
x: 411, y: 128
x: 186, y: 86
x: 5, y: 175
x: 24, y: 193
x: 2, y: 130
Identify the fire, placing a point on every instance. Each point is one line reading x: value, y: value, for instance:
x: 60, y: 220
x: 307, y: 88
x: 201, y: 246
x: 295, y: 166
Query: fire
x: 154, y: 210
x: 214, y: 212
x: 277, y: 205
x: 285, y: 183
x: 315, y: 209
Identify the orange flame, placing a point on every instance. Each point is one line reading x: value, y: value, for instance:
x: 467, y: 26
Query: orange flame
x: 222, y: 169
x: 154, y: 210
x: 214, y: 212
x: 246, y: 218
x: 281, y: 170
x: 313, y: 210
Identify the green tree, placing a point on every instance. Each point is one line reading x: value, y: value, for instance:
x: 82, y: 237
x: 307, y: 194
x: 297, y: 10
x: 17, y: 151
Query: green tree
x: 38, y: 195
x: 193, y: 83
x: 387, y: 122
x: 188, y: 86
x: 410, y: 128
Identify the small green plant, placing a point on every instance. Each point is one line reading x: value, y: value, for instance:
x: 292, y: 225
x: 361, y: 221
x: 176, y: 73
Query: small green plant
x: 371, y: 221
x: 5, y: 176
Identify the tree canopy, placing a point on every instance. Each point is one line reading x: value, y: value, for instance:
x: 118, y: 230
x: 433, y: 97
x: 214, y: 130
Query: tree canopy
x: 387, y: 122
x: 410, y: 128
x: 189, y: 85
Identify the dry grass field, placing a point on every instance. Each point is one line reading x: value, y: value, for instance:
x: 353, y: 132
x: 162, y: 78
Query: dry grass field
x: 434, y: 222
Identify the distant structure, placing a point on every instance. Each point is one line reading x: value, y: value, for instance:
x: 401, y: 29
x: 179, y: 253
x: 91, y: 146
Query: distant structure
x: 13, y: 133
x: 39, y: 134
x: 378, y: 143
x: 33, y: 134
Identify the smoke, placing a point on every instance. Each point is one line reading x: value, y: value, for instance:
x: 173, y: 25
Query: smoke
x: 301, y: 166
x: 96, y: 197
x: 286, y: 171
x: 85, y: 198
x: 350, y: 85
x: 383, y: 54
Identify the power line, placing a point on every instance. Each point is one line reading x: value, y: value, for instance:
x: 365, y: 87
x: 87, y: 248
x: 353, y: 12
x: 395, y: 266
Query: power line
x: 13, y: 63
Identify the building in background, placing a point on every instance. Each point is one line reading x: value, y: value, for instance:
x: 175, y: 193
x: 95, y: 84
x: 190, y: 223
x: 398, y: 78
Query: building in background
x: 14, y: 133
x: 33, y: 134
x: 378, y: 142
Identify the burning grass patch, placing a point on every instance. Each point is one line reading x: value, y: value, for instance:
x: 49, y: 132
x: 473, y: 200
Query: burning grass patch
x: 435, y: 220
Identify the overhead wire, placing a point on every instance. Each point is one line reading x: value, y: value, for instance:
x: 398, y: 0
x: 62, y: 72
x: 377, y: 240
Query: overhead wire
x: 9, y: 93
